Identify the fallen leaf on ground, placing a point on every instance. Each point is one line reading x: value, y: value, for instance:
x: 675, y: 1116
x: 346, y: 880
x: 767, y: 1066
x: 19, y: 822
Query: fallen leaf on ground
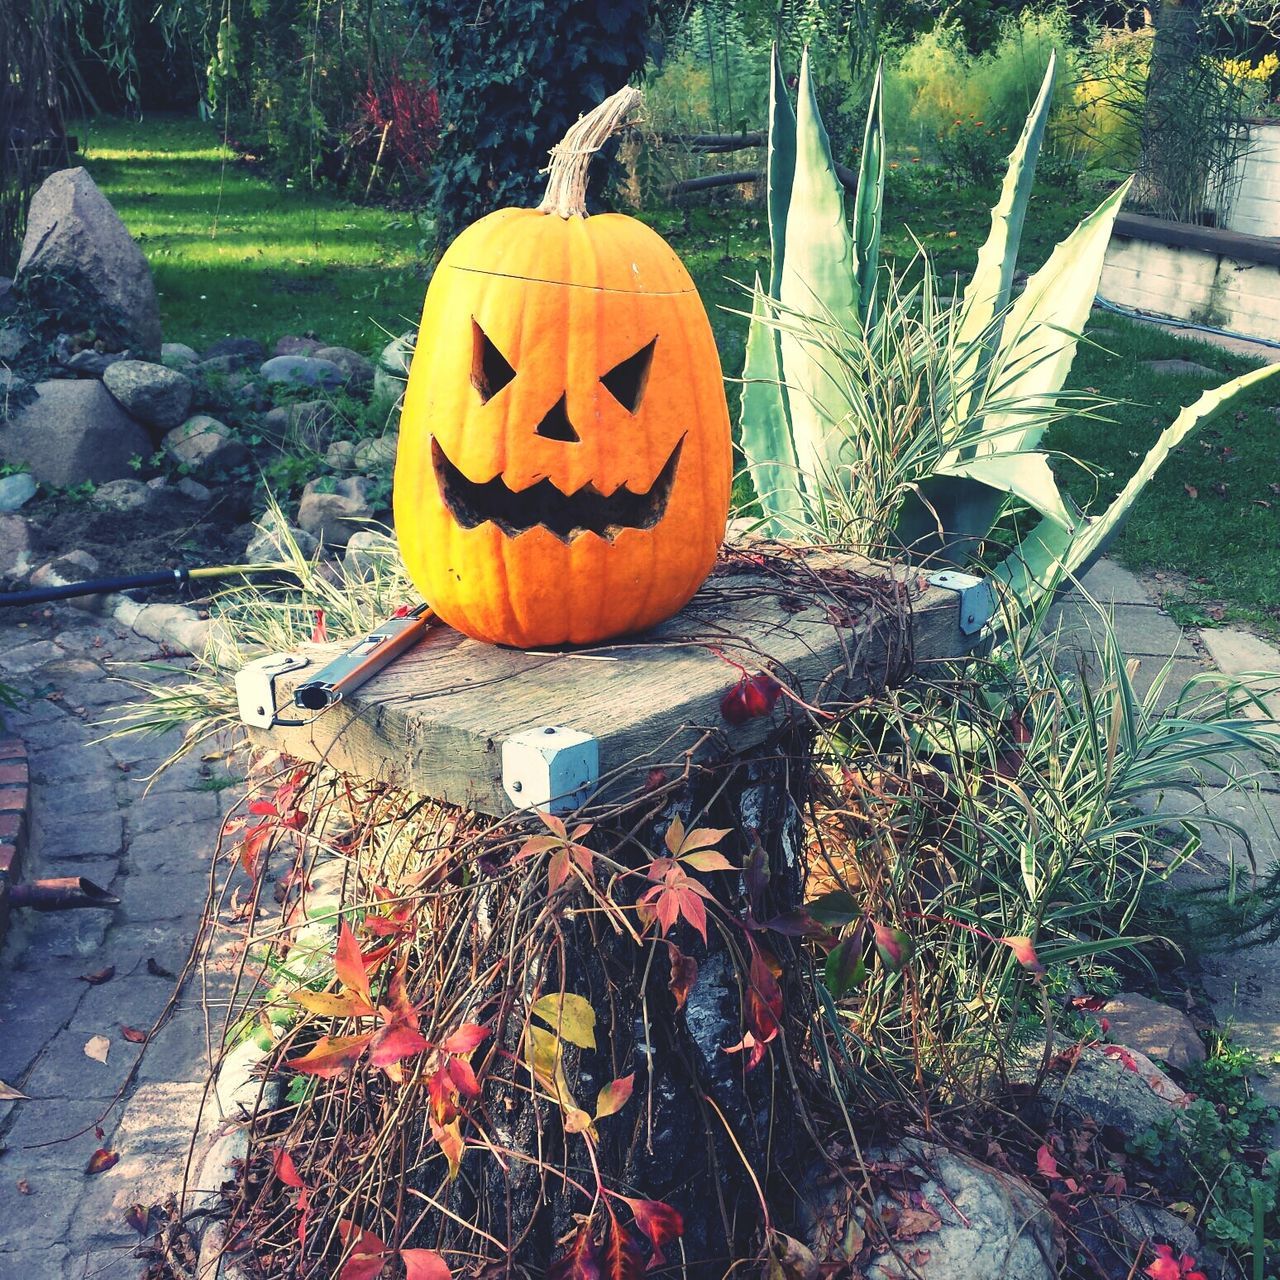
x: 101, y: 976
x: 102, y: 1160
x: 9, y: 1094
x: 156, y: 969
x: 1191, y: 491
x: 134, y: 1035
x: 24, y: 1187
x: 138, y: 1217
x: 97, y: 1048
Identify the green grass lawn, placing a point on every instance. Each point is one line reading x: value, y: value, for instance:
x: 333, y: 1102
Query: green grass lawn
x: 234, y: 252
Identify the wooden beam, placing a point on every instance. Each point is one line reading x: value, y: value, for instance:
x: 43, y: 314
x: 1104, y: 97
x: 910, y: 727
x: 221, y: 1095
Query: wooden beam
x: 830, y: 628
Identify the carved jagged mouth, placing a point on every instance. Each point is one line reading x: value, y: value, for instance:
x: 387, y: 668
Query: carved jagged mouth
x: 565, y: 515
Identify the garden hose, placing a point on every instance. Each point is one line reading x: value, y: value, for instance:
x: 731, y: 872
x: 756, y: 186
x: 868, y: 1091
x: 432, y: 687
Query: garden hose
x: 101, y: 586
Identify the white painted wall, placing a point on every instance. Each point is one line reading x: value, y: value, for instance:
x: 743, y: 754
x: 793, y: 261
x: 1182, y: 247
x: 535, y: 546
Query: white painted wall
x: 1256, y: 208
x: 1191, y: 284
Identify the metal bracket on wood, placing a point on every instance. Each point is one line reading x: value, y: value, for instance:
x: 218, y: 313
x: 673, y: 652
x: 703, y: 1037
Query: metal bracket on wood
x: 256, y: 687
x: 550, y: 769
x: 977, y: 597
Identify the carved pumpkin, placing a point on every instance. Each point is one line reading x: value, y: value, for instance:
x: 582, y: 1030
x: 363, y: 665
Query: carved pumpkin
x: 564, y: 461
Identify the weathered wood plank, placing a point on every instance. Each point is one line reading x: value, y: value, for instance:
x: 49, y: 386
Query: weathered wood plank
x: 828, y: 627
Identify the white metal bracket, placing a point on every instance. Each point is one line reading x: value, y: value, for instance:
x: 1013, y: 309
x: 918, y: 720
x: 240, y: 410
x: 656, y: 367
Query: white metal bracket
x: 977, y: 597
x: 549, y: 768
x: 256, y: 686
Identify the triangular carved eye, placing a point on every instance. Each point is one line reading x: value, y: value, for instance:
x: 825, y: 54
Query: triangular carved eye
x: 490, y: 370
x: 626, y: 381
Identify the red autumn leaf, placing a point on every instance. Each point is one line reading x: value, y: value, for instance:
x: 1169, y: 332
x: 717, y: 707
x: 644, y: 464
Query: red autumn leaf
x: 1087, y: 1004
x: 101, y: 976
x: 394, y: 1043
x: 614, y: 1096
x: 319, y: 632
x: 1191, y: 491
x: 751, y: 1047
x: 660, y: 1223
x: 449, y: 1138
x: 401, y: 1007
x: 424, y: 1264
x: 102, y: 1160
x: 134, y: 1035
x: 893, y: 947
x: 251, y: 847
x: 764, y: 999
x: 285, y: 1169
x: 367, y: 1255
x: 1045, y: 1162
x: 464, y: 1079
x: 1120, y: 1054
x: 466, y: 1039
x: 331, y: 1056
x: 1167, y: 1267
x: 751, y: 697
x: 138, y: 1217
x: 1025, y: 953
x: 622, y: 1259
x: 582, y: 1261
x: 684, y: 973
x: 348, y: 964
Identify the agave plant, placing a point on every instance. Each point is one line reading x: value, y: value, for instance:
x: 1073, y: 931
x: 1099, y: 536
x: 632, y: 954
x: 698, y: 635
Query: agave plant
x: 974, y: 382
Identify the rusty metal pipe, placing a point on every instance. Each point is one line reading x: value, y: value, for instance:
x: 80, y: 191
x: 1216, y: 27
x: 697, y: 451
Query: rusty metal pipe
x: 62, y: 893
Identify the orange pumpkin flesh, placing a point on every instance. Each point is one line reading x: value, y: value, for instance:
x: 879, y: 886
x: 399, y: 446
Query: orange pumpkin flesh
x: 564, y: 462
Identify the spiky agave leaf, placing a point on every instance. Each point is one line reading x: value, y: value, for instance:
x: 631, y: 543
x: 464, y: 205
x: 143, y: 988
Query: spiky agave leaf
x: 780, y: 168
x: 1050, y: 554
x: 868, y: 205
x: 766, y: 430
x: 819, y: 275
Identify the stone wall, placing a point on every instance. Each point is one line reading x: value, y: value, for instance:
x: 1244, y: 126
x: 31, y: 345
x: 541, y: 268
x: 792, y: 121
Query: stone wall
x: 1209, y: 276
x: 1255, y: 211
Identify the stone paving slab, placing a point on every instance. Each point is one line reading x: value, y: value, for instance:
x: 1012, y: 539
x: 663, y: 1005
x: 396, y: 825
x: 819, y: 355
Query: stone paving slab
x: 93, y: 814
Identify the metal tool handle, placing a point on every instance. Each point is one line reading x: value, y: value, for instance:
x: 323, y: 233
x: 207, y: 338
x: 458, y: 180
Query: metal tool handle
x: 362, y: 661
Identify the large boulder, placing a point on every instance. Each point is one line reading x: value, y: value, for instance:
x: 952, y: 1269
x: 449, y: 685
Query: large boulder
x: 73, y: 431
x: 77, y: 248
x: 151, y: 393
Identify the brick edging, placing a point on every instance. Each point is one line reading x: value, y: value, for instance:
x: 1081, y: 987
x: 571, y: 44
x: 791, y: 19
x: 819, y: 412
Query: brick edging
x: 15, y: 800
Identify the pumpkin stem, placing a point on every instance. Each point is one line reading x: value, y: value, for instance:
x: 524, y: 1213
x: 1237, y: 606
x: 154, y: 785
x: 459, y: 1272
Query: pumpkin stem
x: 567, y: 184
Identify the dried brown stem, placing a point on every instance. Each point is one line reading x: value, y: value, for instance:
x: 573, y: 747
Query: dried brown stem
x: 566, y: 193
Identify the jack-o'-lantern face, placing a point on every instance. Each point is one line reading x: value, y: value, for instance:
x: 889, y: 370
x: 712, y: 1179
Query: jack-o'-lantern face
x: 564, y: 462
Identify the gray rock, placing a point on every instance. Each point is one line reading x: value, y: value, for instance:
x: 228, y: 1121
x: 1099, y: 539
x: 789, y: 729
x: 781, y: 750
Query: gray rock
x: 220, y: 366
x: 205, y: 444
x: 965, y: 1219
x: 16, y: 491
x: 74, y: 235
x: 177, y: 355
x: 157, y: 396
x: 17, y: 545
x: 369, y: 554
x: 390, y: 377
x: 247, y: 390
x: 1180, y: 369
x: 376, y: 454
x: 71, y: 432
x: 307, y: 424
x: 124, y: 495
x: 358, y: 368
x: 333, y: 517
x: 1154, y: 1029
x: 1119, y: 1087
x: 243, y: 351
x: 291, y: 345
x: 74, y: 566
x: 91, y: 364
x: 14, y: 340
x: 194, y: 490
x: 303, y: 371
x: 271, y: 543
x: 341, y: 455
